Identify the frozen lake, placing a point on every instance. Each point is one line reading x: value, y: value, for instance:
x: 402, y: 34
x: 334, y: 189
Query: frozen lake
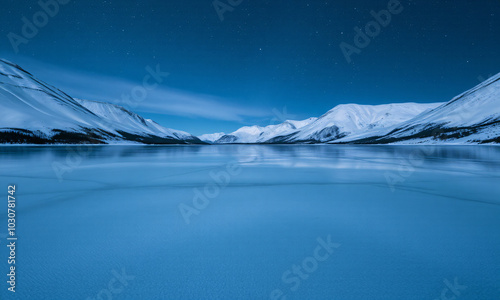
x: 254, y: 222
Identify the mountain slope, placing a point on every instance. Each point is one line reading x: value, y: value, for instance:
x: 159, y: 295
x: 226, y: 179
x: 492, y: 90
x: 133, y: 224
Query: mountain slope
x: 211, y: 137
x: 126, y: 121
x: 35, y: 112
x: 350, y: 119
x: 471, y: 117
x: 258, y: 134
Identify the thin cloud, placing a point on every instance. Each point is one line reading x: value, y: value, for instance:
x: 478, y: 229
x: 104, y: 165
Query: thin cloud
x: 160, y: 100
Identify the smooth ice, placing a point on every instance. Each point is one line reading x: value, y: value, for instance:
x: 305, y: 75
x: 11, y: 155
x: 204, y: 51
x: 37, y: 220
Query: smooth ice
x: 408, y: 221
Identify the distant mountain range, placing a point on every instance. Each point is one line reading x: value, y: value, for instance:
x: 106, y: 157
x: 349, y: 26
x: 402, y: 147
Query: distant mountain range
x: 34, y: 112
x: 256, y: 134
x: 338, y: 123
x: 470, y: 118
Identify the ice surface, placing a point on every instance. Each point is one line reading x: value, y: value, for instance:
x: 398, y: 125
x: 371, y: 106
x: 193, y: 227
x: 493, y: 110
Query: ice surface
x: 117, y: 207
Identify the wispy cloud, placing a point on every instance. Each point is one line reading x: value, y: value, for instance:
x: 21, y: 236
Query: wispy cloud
x: 160, y: 100
x: 176, y: 102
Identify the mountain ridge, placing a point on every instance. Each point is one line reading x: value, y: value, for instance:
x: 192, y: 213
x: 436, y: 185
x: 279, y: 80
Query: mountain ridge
x: 35, y: 112
x: 38, y: 113
x: 472, y: 117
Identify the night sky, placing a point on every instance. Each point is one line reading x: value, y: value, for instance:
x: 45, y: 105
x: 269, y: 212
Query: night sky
x: 264, y: 62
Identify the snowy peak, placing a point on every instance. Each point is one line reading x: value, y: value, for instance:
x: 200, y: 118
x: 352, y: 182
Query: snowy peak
x: 12, y: 70
x: 354, y: 117
x: 298, y: 124
x: 338, y: 123
x: 211, y: 138
x: 489, y: 86
x: 124, y: 120
x: 28, y: 103
x: 258, y: 134
x: 477, y: 105
x: 471, y: 117
x: 36, y: 112
x: 249, y: 130
x: 347, y: 119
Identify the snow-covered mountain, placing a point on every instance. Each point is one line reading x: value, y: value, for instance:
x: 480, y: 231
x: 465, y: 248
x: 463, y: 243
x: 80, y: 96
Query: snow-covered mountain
x: 211, y: 137
x: 127, y: 121
x: 471, y: 117
x: 349, y: 119
x: 339, y: 122
x: 35, y: 112
x: 258, y: 134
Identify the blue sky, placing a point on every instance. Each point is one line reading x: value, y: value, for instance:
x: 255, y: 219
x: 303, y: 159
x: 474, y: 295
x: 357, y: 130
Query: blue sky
x: 266, y: 61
